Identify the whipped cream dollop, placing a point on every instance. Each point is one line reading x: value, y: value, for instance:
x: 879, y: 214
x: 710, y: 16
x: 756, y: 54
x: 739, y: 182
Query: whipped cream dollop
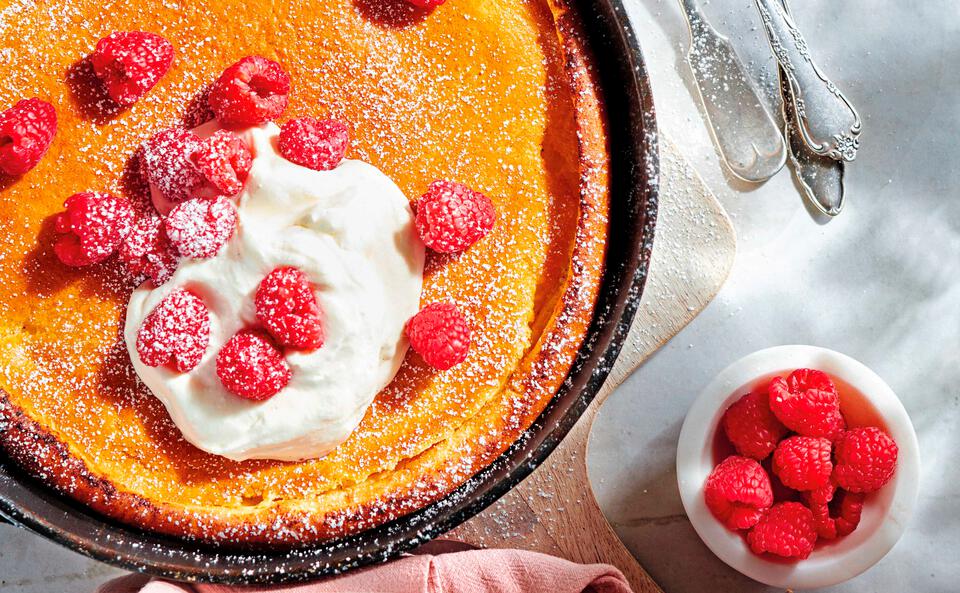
x: 350, y: 230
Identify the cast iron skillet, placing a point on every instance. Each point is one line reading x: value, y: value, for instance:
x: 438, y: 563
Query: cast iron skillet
x: 635, y: 177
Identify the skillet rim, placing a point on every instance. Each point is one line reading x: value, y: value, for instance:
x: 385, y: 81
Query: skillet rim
x: 634, y: 195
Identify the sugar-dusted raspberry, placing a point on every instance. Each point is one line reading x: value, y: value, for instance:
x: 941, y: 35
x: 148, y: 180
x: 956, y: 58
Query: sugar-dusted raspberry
x: 738, y: 492
x: 224, y: 160
x: 167, y: 166
x: 865, y: 459
x: 289, y: 310
x: 426, y: 3
x: 199, y: 228
x: 439, y: 333
x: 147, y: 251
x: 92, y: 228
x: 252, y: 367
x: 250, y: 92
x: 810, y: 411
x: 786, y: 530
x: 803, y: 463
x: 176, y: 332
x: 130, y: 63
x: 452, y: 217
x: 752, y: 427
x: 315, y: 144
x: 26, y: 131
x: 838, y: 519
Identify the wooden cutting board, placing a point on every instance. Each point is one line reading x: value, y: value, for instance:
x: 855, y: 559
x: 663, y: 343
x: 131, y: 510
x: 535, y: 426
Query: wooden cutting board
x: 554, y: 510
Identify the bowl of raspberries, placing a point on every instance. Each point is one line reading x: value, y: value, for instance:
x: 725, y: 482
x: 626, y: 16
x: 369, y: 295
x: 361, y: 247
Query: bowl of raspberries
x: 798, y: 466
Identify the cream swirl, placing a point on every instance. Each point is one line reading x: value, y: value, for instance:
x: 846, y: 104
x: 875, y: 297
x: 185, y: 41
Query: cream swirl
x: 350, y: 230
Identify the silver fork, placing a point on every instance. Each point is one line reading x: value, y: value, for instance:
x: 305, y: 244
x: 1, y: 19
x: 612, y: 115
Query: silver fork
x: 744, y: 130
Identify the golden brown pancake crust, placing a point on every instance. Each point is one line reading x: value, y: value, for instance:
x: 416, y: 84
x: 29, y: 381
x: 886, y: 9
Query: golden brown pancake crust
x: 497, y: 95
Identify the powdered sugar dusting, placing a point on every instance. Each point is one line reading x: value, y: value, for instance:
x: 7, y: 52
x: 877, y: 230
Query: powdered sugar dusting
x: 443, y: 97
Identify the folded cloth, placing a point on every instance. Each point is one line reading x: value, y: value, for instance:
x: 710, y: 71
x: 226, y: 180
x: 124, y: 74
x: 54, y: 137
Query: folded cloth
x: 475, y: 571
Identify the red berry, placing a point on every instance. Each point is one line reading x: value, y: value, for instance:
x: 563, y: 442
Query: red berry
x: 752, y: 427
x: 781, y: 493
x: 440, y: 334
x: 851, y: 508
x: 177, y: 331
x: 251, y: 366
x: 787, y: 530
x: 318, y: 145
x: 866, y: 459
x: 452, y: 217
x: 426, y: 3
x: 811, y: 412
x: 251, y: 92
x: 26, y: 131
x: 803, y: 463
x: 829, y: 525
x: 199, y: 228
x: 167, y: 166
x: 803, y: 379
x: 93, y: 226
x: 738, y: 491
x: 147, y: 250
x: 224, y: 160
x: 287, y: 307
x: 130, y: 63
x: 823, y: 494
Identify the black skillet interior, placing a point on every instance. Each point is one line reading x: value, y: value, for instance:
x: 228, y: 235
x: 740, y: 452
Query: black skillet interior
x: 635, y: 170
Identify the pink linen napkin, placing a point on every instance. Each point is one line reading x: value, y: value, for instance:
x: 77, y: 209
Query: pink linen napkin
x: 475, y: 571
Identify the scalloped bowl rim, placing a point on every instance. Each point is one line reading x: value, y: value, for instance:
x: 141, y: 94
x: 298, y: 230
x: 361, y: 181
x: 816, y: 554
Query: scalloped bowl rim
x: 886, y: 512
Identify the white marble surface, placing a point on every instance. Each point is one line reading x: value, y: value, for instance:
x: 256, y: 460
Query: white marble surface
x: 881, y: 283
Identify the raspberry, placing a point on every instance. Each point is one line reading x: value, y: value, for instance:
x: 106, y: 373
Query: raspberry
x: 803, y: 379
x: 148, y: 251
x: 197, y: 110
x: 318, y: 145
x: 426, y: 3
x: 251, y: 92
x: 830, y: 525
x: 224, y: 160
x: 738, y: 491
x: 823, y: 494
x: 866, y: 459
x: 452, y: 217
x: 786, y: 530
x: 781, y: 493
x: 251, y: 366
x: 812, y: 412
x: 178, y: 329
x: 166, y: 163
x: 440, y: 334
x: 851, y: 508
x: 803, y: 463
x: 199, y: 228
x: 287, y: 307
x: 130, y: 63
x: 26, y: 131
x: 752, y: 427
x: 93, y: 226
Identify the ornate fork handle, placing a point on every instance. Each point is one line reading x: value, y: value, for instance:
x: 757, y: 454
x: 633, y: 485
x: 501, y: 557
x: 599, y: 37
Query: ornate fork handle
x: 827, y: 121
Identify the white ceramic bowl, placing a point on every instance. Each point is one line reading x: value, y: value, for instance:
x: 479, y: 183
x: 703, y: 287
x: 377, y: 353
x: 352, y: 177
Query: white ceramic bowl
x: 885, y: 513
